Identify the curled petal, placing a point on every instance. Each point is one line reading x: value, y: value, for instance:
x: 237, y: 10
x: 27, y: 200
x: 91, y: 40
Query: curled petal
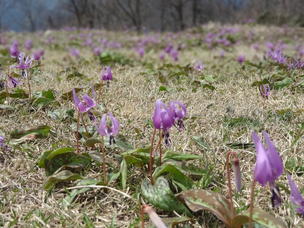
x: 75, y: 98
x: 263, y: 172
x: 90, y: 103
x: 295, y: 195
x: 115, y: 125
x: 103, y: 126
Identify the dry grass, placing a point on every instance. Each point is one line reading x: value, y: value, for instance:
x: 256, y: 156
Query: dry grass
x: 131, y: 97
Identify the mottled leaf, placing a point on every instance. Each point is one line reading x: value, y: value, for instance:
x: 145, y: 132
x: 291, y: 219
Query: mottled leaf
x: 214, y: 202
x: 161, y: 196
x: 62, y: 176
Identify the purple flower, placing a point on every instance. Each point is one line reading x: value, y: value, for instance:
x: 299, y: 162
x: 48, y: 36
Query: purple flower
x: 264, y: 90
x: 97, y: 51
x: 179, y: 112
x: 24, y: 62
x: 28, y: 44
x: 38, y: 54
x: 199, y: 66
x: 163, y: 117
x: 295, y: 196
x: 169, y: 48
x: 75, y: 52
x: 14, y: 49
x: 277, y: 56
x: 12, y: 82
x: 85, y: 105
x: 140, y: 51
x: 106, y: 75
x: 110, y: 129
x: 269, y: 165
x: 3, y: 146
x: 162, y: 56
x: 241, y: 59
x: 174, y: 54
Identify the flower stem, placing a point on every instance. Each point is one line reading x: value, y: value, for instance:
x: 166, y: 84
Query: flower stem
x: 104, y: 165
x: 251, y: 204
x: 84, y: 124
x: 151, y: 161
x: 160, y: 146
x: 29, y: 84
x: 77, y: 132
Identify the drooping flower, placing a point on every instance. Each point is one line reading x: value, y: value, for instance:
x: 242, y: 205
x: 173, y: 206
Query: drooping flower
x: 3, y: 146
x: 174, y: 54
x: 199, y: 66
x: 110, y: 128
x: 163, y: 117
x: 14, y: 49
x: 24, y: 62
x: 75, y: 52
x: 12, y: 82
x: 106, y: 75
x: 97, y: 51
x: 37, y: 55
x: 85, y: 105
x: 241, y: 59
x: 295, y: 196
x: 28, y: 44
x: 179, y: 112
x: 269, y: 165
x: 140, y: 51
x: 264, y: 90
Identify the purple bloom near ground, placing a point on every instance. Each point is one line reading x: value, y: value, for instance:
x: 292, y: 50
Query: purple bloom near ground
x: 264, y: 90
x: 37, y: 55
x: 109, y: 126
x: 24, y: 62
x: 180, y: 111
x: 106, y: 74
x: 295, y: 196
x: 241, y: 59
x: 12, y: 82
x: 28, y: 44
x: 269, y: 165
x: 75, y: 52
x: 83, y: 105
x: 163, y: 117
x: 14, y: 49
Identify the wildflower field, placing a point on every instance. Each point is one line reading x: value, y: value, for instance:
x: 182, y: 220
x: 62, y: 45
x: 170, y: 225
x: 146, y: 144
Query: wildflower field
x: 202, y: 128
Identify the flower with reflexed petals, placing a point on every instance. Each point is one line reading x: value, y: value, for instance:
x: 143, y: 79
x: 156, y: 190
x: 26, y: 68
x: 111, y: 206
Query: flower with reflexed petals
x: 107, y: 74
x: 269, y: 165
x: 106, y: 129
x: 85, y: 105
x: 295, y: 195
x: 180, y: 111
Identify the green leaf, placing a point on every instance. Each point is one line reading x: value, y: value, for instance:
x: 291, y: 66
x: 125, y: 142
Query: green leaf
x: 283, y: 83
x: 217, y: 204
x: 139, y: 156
x: 124, y: 173
x: 163, y: 88
x: 266, y: 219
x: 175, y: 174
x: 63, y: 158
x: 19, y: 93
x: 44, y: 98
x: 161, y: 196
x: 38, y: 132
x: 122, y: 143
x: 174, y: 221
x: 71, y: 196
x: 90, y: 142
x: 180, y: 157
x: 200, y: 142
x: 62, y: 176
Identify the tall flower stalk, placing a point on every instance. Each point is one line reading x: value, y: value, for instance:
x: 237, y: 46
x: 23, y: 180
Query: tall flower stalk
x: 109, y: 126
x: 268, y: 167
x: 82, y: 106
